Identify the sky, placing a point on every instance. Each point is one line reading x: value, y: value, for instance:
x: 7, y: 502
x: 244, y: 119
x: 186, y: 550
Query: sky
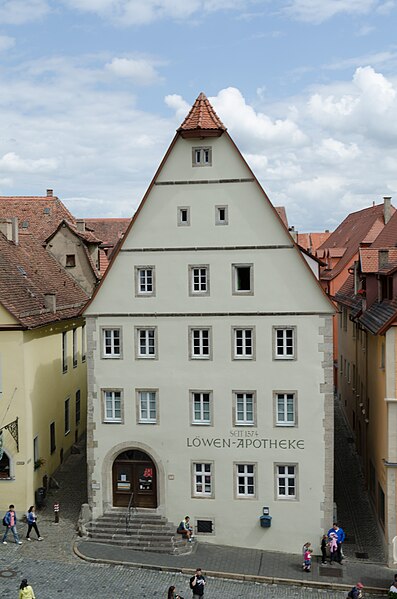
x: 92, y: 91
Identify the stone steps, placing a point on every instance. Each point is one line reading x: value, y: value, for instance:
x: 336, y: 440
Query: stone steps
x: 144, y: 531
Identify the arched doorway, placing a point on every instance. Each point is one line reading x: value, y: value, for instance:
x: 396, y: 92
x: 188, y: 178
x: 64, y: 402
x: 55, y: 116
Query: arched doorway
x: 134, y: 472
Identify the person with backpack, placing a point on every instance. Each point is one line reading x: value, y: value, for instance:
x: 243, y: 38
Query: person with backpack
x: 356, y: 592
x: 10, y: 522
x: 197, y: 583
x: 32, y: 523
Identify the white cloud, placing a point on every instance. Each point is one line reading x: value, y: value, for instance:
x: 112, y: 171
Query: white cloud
x: 317, y: 11
x: 140, y: 71
x: 6, y: 42
x: 178, y: 104
x: 17, y: 12
x: 335, y: 151
x: 13, y: 163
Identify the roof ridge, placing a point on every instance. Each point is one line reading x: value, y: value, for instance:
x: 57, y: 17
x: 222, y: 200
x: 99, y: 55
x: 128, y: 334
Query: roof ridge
x: 202, y: 116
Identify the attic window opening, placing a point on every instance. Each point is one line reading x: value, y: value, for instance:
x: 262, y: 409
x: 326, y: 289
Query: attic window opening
x: 70, y: 260
x: 47, y: 210
x: 202, y: 156
x: 25, y: 224
x: 22, y: 271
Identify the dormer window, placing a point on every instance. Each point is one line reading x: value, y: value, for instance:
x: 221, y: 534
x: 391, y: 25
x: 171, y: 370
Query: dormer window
x: 70, y: 260
x: 202, y: 156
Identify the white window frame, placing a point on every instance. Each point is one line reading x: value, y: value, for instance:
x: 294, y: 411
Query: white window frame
x: 202, y: 156
x: 200, y: 471
x: 201, y: 345
x: 148, y: 281
x: 115, y: 396
x: 112, y: 355
x: 201, y: 279
x: 218, y: 220
x: 284, y: 355
x: 181, y: 212
x: 235, y: 269
x: 142, y: 398
x: 286, y: 477
x: 199, y: 395
x: 243, y: 472
x: 146, y: 337
x: 244, y: 344
x: 285, y: 397
x: 243, y: 395
x: 66, y: 417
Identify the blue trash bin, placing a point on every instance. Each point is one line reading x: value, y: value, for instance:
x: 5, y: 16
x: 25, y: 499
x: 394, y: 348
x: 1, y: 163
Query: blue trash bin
x: 266, y: 521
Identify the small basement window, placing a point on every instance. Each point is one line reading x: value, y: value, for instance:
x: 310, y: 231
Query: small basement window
x: 205, y: 527
x: 70, y: 260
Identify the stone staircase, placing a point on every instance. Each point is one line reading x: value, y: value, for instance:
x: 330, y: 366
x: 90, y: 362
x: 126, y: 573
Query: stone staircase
x: 145, y: 531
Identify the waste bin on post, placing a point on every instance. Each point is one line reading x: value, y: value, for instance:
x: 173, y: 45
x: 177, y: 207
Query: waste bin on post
x: 266, y: 521
x: 40, y: 497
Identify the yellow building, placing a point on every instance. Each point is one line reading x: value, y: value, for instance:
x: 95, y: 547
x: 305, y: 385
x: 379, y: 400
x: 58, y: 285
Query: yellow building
x: 42, y: 365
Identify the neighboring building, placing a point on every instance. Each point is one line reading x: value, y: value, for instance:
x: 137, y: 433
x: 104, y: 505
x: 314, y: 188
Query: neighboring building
x: 42, y: 364
x: 340, y: 252
x: 310, y: 242
x: 209, y: 348
x: 368, y: 371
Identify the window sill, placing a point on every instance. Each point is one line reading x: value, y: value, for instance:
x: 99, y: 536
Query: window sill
x: 148, y: 422
x: 8, y: 478
x: 115, y: 357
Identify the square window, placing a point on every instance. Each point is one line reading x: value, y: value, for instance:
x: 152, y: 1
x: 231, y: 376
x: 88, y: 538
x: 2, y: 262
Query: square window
x: 284, y: 343
x: 112, y: 406
x: 245, y: 480
x: 202, y: 156
x: 111, y: 343
x: 199, y: 280
x: 183, y: 216
x: 244, y: 408
x: 144, y: 281
x: 200, y: 344
x: 202, y: 479
x: 286, y: 483
x: 243, y: 279
x: 201, y: 407
x: 146, y: 343
x: 243, y: 343
x: 147, y: 406
x: 285, y: 409
x: 70, y: 260
x: 221, y: 215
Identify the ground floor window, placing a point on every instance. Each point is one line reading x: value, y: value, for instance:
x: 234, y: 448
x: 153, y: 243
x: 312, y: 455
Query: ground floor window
x: 245, y: 478
x: 5, y: 466
x: 202, y: 479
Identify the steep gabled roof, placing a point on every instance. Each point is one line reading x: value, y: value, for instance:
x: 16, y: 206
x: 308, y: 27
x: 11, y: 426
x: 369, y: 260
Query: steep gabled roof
x: 87, y: 236
x: 202, y: 119
x: 387, y: 238
x: 108, y: 230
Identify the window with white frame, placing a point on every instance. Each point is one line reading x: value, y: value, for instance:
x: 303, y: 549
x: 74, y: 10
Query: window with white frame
x: 183, y: 216
x: 67, y: 416
x: 112, y: 406
x: 201, y: 407
x: 221, y: 215
x: 202, y: 156
x: 111, y: 339
x: 147, y: 406
x: 242, y: 275
x: 199, y: 280
x: 244, y: 408
x: 144, y: 280
x: 200, y: 343
x: 146, y: 342
x: 286, y: 487
x: 243, y: 343
x: 202, y: 479
x: 74, y: 348
x: 285, y: 409
x: 284, y: 343
x: 245, y: 480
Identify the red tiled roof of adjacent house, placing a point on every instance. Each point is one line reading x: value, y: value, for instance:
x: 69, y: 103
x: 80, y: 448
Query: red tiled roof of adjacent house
x: 303, y: 239
x: 87, y: 236
x: 374, y: 232
x: 202, y: 116
x: 388, y: 236
x: 350, y: 234
x: 318, y: 239
x: 369, y: 260
x: 27, y: 273
x: 282, y: 214
x: 108, y: 230
x: 36, y: 214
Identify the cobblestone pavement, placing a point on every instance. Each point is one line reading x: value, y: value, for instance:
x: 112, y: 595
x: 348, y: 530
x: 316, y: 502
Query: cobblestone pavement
x: 79, y: 580
x: 355, y: 514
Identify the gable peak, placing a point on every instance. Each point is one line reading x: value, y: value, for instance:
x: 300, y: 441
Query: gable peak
x: 202, y: 120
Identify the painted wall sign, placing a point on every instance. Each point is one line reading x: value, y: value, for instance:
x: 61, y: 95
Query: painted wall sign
x: 245, y: 443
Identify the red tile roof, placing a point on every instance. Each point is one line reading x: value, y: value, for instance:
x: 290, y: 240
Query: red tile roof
x: 202, y: 116
x: 282, y: 214
x: 108, y: 230
x: 388, y: 237
x: 27, y: 272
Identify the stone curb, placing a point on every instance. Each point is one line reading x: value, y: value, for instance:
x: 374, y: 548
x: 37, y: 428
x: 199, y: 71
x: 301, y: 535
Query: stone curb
x: 230, y: 575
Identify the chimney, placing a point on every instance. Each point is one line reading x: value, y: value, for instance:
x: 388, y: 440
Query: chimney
x: 294, y: 234
x: 80, y: 225
x: 15, y: 230
x: 50, y: 300
x: 6, y: 228
x: 386, y: 208
x: 50, y: 193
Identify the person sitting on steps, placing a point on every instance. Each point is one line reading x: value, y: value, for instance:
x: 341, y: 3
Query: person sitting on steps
x: 185, y: 529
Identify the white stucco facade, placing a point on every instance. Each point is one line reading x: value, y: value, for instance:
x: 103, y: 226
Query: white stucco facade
x: 251, y: 455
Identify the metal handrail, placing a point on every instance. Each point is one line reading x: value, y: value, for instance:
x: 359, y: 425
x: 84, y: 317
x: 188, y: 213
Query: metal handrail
x: 130, y: 509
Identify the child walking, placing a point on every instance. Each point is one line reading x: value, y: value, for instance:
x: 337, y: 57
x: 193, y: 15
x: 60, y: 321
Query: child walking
x: 324, y: 542
x: 307, y: 562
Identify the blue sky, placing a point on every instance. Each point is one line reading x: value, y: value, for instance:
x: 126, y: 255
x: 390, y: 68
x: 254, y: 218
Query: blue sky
x: 91, y: 92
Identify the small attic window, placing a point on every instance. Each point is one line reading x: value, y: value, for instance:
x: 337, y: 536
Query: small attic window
x: 47, y: 210
x: 22, y: 271
x: 184, y: 216
x: 25, y: 224
x: 70, y: 260
x: 202, y: 156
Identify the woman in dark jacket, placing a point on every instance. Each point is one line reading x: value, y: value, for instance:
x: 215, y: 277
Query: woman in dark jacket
x: 31, y: 516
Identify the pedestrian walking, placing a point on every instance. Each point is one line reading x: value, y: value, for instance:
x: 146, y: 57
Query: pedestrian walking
x: 356, y: 592
x: 10, y: 522
x: 307, y: 561
x: 172, y: 594
x: 197, y: 583
x: 324, y: 543
x: 32, y: 523
x: 340, y: 534
x: 26, y: 591
x: 304, y: 548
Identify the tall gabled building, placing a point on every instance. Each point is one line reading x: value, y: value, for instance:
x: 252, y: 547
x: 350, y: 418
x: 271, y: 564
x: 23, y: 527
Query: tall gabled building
x: 210, y: 357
